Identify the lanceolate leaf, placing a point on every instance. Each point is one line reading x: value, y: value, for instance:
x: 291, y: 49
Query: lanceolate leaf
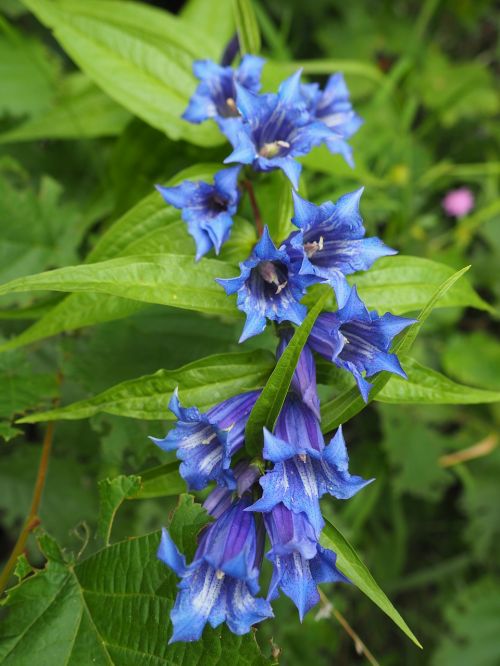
x: 423, y: 386
x: 202, y: 383
x: 112, y: 493
x: 405, y: 284
x: 113, y: 609
x: 139, y: 55
x: 270, y: 401
x: 350, y: 564
x: 165, y: 279
x: 162, y: 481
x: 349, y: 402
x: 246, y: 26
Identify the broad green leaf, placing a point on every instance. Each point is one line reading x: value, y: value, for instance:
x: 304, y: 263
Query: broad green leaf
x: 112, y: 493
x: 404, y: 284
x: 215, y: 17
x: 349, y: 402
x: 113, y: 608
x: 165, y: 279
x: 161, y: 481
x: 80, y: 111
x: 474, y: 359
x: 423, y: 386
x: 149, y: 219
x: 246, y: 26
x: 269, y: 403
x: 140, y: 56
x: 349, y: 562
x: 202, y: 383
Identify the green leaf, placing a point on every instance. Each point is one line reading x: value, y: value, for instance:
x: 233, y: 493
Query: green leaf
x: 423, y: 386
x: 246, y: 27
x: 474, y: 359
x: 349, y: 402
x: 404, y: 284
x: 80, y: 111
x: 215, y: 17
x: 149, y: 219
x: 162, y: 481
x: 349, y: 562
x: 165, y: 279
x: 113, y: 608
x: 112, y: 493
x: 140, y: 56
x: 269, y: 404
x: 202, y: 383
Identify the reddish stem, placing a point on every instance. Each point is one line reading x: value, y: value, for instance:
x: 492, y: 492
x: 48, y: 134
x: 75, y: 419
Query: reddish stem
x: 247, y: 184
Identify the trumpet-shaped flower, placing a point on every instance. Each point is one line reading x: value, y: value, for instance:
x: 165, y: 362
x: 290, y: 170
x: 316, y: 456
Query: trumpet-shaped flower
x: 221, y: 582
x: 207, y: 209
x: 358, y: 340
x: 304, y: 377
x: 269, y: 287
x: 206, y: 442
x: 331, y: 242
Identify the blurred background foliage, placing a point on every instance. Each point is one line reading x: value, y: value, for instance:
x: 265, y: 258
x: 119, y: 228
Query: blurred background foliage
x: 424, y: 76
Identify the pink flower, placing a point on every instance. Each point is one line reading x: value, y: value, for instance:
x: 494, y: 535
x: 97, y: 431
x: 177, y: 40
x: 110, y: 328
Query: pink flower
x: 458, y: 203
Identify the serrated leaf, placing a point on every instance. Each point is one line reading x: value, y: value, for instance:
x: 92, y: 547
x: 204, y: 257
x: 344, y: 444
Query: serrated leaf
x: 269, y: 403
x: 112, y: 493
x: 349, y: 402
x: 246, y: 27
x: 140, y: 56
x: 113, y: 609
x: 202, y: 383
x: 349, y: 562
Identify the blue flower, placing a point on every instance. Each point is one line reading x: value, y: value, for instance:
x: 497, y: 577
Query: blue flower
x: 216, y: 94
x: 220, y: 499
x: 358, y: 340
x: 333, y: 107
x: 276, y: 129
x: 206, y: 442
x: 304, y: 469
x: 331, y: 242
x: 221, y: 582
x: 268, y: 286
x: 304, y: 377
x: 299, y: 562
x: 207, y: 209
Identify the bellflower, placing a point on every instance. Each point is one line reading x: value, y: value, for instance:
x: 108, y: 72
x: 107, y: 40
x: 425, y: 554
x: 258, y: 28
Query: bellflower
x: 221, y: 497
x: 207, y: 209
x: 276, y: 129
x: 206, y: 442
x: 216, y: 93
x: 268, y: 287
x: 304, y: 377
x: 331, y: 242
x: 333, y: 107
x: 358, y: 340
x: 299, y: 562
x: 302, y: 474
x: 221, y: 582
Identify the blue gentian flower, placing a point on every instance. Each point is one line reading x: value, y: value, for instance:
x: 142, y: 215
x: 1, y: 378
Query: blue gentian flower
x: 304, y: 468
x: 299, y: 562
x: 358, y: 340
x: 221, y: 582
x: 207, y: 209
x: 206, y: 442
x: 216, y: 93
x: 333, y: 107
x: 268, y: 287
x: 304, y: 377
x: 276, y: 129
x: 331, y: 242
x: 220, y: 499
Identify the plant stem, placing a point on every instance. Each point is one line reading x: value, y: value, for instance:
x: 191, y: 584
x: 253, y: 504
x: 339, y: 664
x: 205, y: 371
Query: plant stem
x: 32, y: 520
x: 247, y: 184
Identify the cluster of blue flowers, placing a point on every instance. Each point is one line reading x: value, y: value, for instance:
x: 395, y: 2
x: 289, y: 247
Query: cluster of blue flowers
x: 279, y: 494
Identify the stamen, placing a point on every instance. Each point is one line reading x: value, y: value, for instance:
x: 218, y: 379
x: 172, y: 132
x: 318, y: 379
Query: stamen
x: 303, y: 457
x: 209, y: 439
x: 268, y: 273
x: 219, y: 574
x: 311, y: 248
x: 274, y: 148
x: 231, y: 105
